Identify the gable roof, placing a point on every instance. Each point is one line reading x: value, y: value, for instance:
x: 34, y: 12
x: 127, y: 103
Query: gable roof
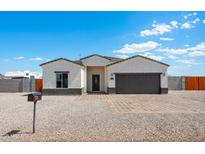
x: 105, y: 57
x: 75, y: 62
x: 122, y: 60
x: 116, y: 60
x: 112, y: 58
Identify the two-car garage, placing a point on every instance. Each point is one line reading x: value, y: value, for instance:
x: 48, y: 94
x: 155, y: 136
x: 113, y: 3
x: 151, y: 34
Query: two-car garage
x: 137, y: 83
x: 137, y: 75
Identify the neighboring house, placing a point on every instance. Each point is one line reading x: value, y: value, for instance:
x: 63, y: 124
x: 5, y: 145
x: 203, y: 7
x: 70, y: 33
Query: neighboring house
x: 96, y: 73
x: 23, y: 74
x: 11, y: 77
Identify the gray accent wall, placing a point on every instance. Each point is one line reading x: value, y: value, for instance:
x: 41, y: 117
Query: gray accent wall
x: 164, y: 91
x: 111, y: 90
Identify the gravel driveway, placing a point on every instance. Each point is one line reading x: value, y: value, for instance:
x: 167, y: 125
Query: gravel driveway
x: 177, y: 116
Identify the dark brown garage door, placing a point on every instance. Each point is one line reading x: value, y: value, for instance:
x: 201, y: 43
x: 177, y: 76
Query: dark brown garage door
x: 137, y: 83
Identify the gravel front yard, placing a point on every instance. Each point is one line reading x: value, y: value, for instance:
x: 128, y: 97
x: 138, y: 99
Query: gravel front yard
x: 177, y: 116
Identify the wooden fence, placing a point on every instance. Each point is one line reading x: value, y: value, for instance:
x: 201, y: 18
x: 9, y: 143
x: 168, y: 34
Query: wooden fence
x: 38, y: 85
x: 195, y: 83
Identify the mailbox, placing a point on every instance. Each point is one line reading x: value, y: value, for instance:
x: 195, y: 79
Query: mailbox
x: 34, y: 97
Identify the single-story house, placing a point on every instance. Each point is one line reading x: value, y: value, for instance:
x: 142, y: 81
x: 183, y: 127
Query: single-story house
x: 97, y: 73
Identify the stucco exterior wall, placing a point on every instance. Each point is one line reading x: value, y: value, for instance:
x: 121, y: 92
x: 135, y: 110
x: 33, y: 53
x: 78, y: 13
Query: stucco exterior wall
x: 106, y: 80
x: 95, y: 70
x: 85, y: 79
x: 137, y: 65
x: 82, y: 78
x: 95, y: 61
x: 74, y: 76
x: 164, y: 80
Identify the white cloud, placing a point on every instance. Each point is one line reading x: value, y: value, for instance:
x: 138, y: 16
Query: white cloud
x: 173, y: 51
x: 188, y: 61
x: 152, y: 56
x: 172, y: 57
x: 197, y: 50
x: 122, y: 56
x: 158, y: 29
x: 146, y: 54
x: 174, y: 24
x: 186, y: 45
x: 26, y: 73
x: 166, y: 39
x: 19, y: 58
x: 159, y: 58
x: 195, y: 13
x: 186, y: 25
x: 196, y: 20
x: 190, y: 24
x: 141, y: 47
x: 198, y: 47
x: 36, y: 59
x: 189, y: 15
x: 196, y: 54
x: 204, y: 21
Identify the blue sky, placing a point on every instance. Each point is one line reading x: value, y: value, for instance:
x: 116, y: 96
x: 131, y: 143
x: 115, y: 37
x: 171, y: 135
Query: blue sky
x: 28, y: 39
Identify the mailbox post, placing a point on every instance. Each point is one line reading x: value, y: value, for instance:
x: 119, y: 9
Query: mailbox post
x: 34, y: 97
x: 34, y: 116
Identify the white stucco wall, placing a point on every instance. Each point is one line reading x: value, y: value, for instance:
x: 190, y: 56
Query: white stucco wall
x: 85, y: 79
x: 95, y: 61
x: 164, y: 80
x: 75, y: 74
x: 95, y: 70
x: 106, y: 79
x: 137, y: 65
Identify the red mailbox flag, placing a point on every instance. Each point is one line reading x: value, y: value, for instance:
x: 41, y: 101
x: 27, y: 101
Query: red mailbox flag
x: 36, y: 98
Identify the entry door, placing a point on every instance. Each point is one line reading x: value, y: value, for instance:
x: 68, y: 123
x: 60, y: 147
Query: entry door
x: 95, y: 82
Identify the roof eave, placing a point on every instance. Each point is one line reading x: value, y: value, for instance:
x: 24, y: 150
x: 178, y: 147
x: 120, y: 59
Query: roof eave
x: 60, y: 59
x: 135, y: 57
x: 94, y: 55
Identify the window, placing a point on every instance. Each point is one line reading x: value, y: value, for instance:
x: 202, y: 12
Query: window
x: 61, y: 80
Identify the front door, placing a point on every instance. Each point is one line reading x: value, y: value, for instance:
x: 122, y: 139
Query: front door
x: 95, y: 82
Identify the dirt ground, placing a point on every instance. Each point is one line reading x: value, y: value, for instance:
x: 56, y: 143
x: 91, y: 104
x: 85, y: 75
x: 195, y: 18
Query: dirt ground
x: 177, y: 116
